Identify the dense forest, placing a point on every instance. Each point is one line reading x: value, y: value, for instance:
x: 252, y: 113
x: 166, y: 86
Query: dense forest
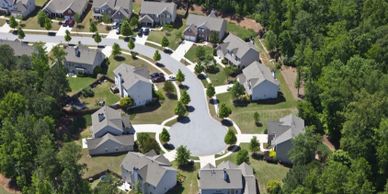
x: 32, y: 96
x: 340, y: 48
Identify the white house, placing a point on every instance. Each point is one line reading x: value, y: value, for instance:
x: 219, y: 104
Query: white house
x: 259, y: 82
x: 133, y: 81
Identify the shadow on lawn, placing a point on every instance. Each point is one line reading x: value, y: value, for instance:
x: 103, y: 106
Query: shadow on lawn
x: 243, y: 103
x: 149, y: 108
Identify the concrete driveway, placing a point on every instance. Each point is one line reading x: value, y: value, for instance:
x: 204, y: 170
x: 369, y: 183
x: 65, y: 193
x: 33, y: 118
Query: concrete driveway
x: 182, y: 49
x: 202, y: 134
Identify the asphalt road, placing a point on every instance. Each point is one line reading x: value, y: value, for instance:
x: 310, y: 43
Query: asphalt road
x: 199, y: 132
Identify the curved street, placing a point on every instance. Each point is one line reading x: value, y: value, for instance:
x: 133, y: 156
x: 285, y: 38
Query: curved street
x: 202, y: 134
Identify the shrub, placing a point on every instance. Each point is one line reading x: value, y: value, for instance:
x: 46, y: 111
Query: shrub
x: 224, y: 61
x: 159, y: 95
x: 87, y: 92
x: 213, y: 69
x: 126, y: 103
x: 242, y: 156
x: 147, y: 143
x: 231, y: 70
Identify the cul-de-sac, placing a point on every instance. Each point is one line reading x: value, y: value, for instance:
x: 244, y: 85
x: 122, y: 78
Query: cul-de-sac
x: 193, y: 96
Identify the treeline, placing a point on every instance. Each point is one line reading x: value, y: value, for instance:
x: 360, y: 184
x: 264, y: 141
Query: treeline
x: 340, y: 48
x: 31, y: 98
x: 230, y: 7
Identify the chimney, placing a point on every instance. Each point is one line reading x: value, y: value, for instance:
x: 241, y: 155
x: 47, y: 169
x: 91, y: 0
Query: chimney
x: 77, y: 51
x: 101, y: 117
x: 226, y: 176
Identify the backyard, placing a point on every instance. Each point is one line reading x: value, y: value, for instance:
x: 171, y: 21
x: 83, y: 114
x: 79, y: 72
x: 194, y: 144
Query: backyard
x: 101, y: 93
x: 79, y: 83
x: 263, y: 170
x: 243, y: 115
x: 97, y: 164
x: 188, y: 183
x: 239, y: 31
x: 173, y: 35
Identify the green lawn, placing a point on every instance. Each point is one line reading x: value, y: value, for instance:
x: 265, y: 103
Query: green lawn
x: 174, y: 36
x: 192, y: 53
x: 2, y: 22
x: 243, y: 115
x: 3, y: 191
x: 126, y: 59
x: 79, y: 83
x: 155, y: 113
x: 40, y: 3
x: 264, y: 171
x: 188, y: 182
x: 32, y: 23
x: 219, y: 78
x: 98, y: 164
x: 101, y: 92
x: 239, y: 31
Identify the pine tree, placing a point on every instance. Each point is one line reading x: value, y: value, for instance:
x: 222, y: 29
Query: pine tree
x: 164, y: 136
x: 157, y: 56
x: 230, y: 137
x: 185, y: 98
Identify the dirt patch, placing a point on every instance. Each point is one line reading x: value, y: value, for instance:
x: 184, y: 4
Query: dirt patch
x: 241, y: 21
x: 326, y: 141
x: 289, y: 74
x: 5, y: 184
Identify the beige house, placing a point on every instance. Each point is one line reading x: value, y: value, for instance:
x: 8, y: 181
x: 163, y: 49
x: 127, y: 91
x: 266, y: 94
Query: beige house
x: 153, y: 13
x: 117, y: 10
x: 82, y: 60
x: 204, y: 27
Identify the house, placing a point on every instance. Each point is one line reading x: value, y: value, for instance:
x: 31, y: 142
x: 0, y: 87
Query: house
x: 117, y: 10
x: 152, y: 172
x: 259, y: 82
x: 227, y: 178
x: 108, y: 120
x: 111, y: 132
x: 237, y: 51
x: 281, y: 134
x: 65, y: 8
x: 17, y: 8
x: 83, y: 60
x: 154, y: 13
x: 19, y: 48
x: 133, y: 81
x: 204, y: 28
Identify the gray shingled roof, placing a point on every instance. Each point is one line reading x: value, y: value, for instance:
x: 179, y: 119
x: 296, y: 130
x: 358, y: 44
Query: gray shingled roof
x: 154, y: 7
x: 111, y: 117
x: 60, y: 6
x: 256, y: 73
x: 85, y: 55
x: 125, y: 140
x: 131, y: 75
x: 210, y: 22
x: 235, y: 44
x: 285, y: 129
x: 19, y: 48
x: 239, y: 177
x: 125, y: 6
x: 151, y: 170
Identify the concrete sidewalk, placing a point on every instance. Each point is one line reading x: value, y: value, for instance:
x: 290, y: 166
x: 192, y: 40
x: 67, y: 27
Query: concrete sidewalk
x: 62, y: 30
x: 223, y: 88
x: 182, y: 49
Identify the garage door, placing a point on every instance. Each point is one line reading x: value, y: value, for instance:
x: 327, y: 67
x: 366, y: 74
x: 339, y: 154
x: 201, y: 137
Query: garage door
x: 191, y: 38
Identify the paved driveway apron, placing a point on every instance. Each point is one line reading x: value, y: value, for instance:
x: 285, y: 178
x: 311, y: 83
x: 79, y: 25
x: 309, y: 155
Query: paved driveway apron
x: 201, y: 134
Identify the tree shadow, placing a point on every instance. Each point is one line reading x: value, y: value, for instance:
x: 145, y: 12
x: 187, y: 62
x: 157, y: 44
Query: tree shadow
x: 201, y: 76
x: 171, y: 96
x: 183, y: 87
x: 213, y: 101
x: 168, y: 146
x: 190, y: 108
x: 183, y: 119
x: 190, y: 167
x: 159, y: 64
x: 177, y: 189
x: 234, y: 148
x: 148, y: 108
x: 119, y: 58
x: 227, y: 123
x: 168, y: 51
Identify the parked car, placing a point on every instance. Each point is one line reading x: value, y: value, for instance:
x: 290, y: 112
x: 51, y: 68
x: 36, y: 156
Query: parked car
x: 145, y: 31
x: 158, y: 79
x: 116, y: 25
x: 171, y: 78
x: 156, y: 74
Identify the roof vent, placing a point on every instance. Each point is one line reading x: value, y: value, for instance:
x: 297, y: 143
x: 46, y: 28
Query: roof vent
x: 101, y: 117
x: 226, y: 176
